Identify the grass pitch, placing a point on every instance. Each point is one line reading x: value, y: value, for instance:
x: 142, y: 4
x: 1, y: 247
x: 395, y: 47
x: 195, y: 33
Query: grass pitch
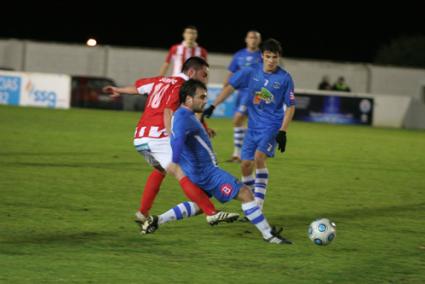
x: 70, y: 182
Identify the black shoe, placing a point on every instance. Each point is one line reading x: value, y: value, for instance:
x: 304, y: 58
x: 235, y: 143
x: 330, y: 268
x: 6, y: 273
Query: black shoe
x: 276, y: 238
x: 150, y: 225
x: 244, y: 219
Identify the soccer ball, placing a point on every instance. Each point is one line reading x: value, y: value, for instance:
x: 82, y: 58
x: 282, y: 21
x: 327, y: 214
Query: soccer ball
x: 322, y: 231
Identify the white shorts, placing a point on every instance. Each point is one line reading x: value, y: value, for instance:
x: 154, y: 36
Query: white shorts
x: 157, y: 151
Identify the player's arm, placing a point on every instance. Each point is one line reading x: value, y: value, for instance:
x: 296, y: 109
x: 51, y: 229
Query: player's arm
x: 238, y: 80
x: 168, y: 114
x: 177, y: 139
x: 164, y: 68
x: 226, y: 80
x: 233, y: 67
x: 289, y: 114
x: 117, y: 91
x: 225, y: 93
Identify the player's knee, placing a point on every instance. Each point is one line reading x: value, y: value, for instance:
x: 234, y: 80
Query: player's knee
x: 245, y: 195
x: 246, y: 166
x: 238, y: 120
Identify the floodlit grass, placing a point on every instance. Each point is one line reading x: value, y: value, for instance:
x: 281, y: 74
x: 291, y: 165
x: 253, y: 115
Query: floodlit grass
x: 70, y: 182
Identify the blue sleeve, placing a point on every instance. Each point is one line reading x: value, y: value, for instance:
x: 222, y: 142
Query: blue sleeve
x: 289, y: 92
x: 179, y: 131
x: 240, y: 79
x: 233, y: 67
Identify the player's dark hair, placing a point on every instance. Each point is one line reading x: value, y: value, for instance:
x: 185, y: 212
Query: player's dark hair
x: 254, y: 31
x: 190, y: 27
x: 189, y: 89
x: 194, y: 62
x: 271, y: 45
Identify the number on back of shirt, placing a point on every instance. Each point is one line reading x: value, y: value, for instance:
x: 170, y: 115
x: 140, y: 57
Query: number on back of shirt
x: 157, y: 95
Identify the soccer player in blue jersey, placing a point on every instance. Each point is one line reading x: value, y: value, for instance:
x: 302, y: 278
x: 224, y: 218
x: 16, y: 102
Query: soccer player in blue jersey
x: 194, y: 157
x: 270, y: 88
x: 245, y: 57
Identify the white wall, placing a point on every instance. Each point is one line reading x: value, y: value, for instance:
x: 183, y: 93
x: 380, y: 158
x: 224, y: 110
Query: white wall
x: 307, y: 74
x: 397, y: 81
x: 63, y: 58
x: 125, y: 65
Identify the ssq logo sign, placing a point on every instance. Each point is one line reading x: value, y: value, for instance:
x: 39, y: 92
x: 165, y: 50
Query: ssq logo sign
x: 10, y: 89
x: 41, y: 97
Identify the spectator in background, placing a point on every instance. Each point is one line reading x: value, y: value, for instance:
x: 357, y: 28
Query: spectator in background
x: 180, y: 52
x: 341, y: 86
x: 325, y: 84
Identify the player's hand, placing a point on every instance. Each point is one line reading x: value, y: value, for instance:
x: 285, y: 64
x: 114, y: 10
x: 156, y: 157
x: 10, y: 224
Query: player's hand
x: 211, y: 132
x: 209, y: 111
x: 112, y: 91
x: 281, y: 140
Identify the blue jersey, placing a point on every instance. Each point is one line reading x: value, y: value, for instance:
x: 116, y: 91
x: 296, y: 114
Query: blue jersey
x: 191, y: 146
x: 244, y: 58
x: 268, y: 92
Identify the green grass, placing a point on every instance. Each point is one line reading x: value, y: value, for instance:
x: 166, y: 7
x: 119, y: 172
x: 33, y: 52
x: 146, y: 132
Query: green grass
x: 70, y: 182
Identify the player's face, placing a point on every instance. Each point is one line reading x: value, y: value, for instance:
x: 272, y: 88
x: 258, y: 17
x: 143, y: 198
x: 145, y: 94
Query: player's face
x: 270, y: 61
x: 199, y: 100
x: 201, y: 74
x: 190, y: 35
x: 253, y: 40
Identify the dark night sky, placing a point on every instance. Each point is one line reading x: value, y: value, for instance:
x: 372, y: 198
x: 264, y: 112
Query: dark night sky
x: 320, y: 32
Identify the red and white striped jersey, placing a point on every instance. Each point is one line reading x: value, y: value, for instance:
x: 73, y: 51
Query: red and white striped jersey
x: 179, y: 53
x: 163, y: 92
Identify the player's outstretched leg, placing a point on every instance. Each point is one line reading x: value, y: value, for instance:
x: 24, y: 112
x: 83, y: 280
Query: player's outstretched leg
x: 255, y: 215
x: 182, y: 210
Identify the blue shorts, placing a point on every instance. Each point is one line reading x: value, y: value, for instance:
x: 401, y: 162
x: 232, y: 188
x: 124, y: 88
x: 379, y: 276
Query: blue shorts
x: 242, y: 97
x: 220, y: 184
x: 258, y: 140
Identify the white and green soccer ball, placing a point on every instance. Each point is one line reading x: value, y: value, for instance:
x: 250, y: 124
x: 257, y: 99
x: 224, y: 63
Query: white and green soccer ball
x: 322, y: 231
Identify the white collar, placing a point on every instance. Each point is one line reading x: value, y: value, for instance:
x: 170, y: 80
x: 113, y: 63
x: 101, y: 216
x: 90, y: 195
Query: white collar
x: 183, y: 76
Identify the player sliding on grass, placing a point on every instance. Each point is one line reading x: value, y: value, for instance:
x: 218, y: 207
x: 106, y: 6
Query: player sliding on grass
x: 152, y: 141
x: 193, y: 156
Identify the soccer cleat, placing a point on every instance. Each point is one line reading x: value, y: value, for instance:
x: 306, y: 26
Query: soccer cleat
x: 140, y: 218
x: 244, y: 219
x: 234, y: 159
x: 150, y: 225
x: 276, y: 238
x: 221, y: 216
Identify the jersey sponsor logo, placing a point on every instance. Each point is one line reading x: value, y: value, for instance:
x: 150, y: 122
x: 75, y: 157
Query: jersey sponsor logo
x: 276, y: 85
x: 263, y: 95
x: 226, y: 189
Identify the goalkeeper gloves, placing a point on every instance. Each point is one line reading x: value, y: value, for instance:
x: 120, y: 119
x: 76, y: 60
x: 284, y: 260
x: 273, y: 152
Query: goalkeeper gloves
x: 281, y: 140
x: 209, y: 111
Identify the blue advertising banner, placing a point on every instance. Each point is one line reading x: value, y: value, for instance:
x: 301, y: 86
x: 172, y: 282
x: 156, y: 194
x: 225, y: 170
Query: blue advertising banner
x: 10, y: 90
x: 334, y: 109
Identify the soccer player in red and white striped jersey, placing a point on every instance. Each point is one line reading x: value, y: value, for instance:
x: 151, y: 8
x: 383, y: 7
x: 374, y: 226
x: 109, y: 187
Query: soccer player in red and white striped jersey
x: 180, y: 52
x: 151, y: 136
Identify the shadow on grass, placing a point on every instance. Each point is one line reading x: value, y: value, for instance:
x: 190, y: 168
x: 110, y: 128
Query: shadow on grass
x: 351, y: 214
